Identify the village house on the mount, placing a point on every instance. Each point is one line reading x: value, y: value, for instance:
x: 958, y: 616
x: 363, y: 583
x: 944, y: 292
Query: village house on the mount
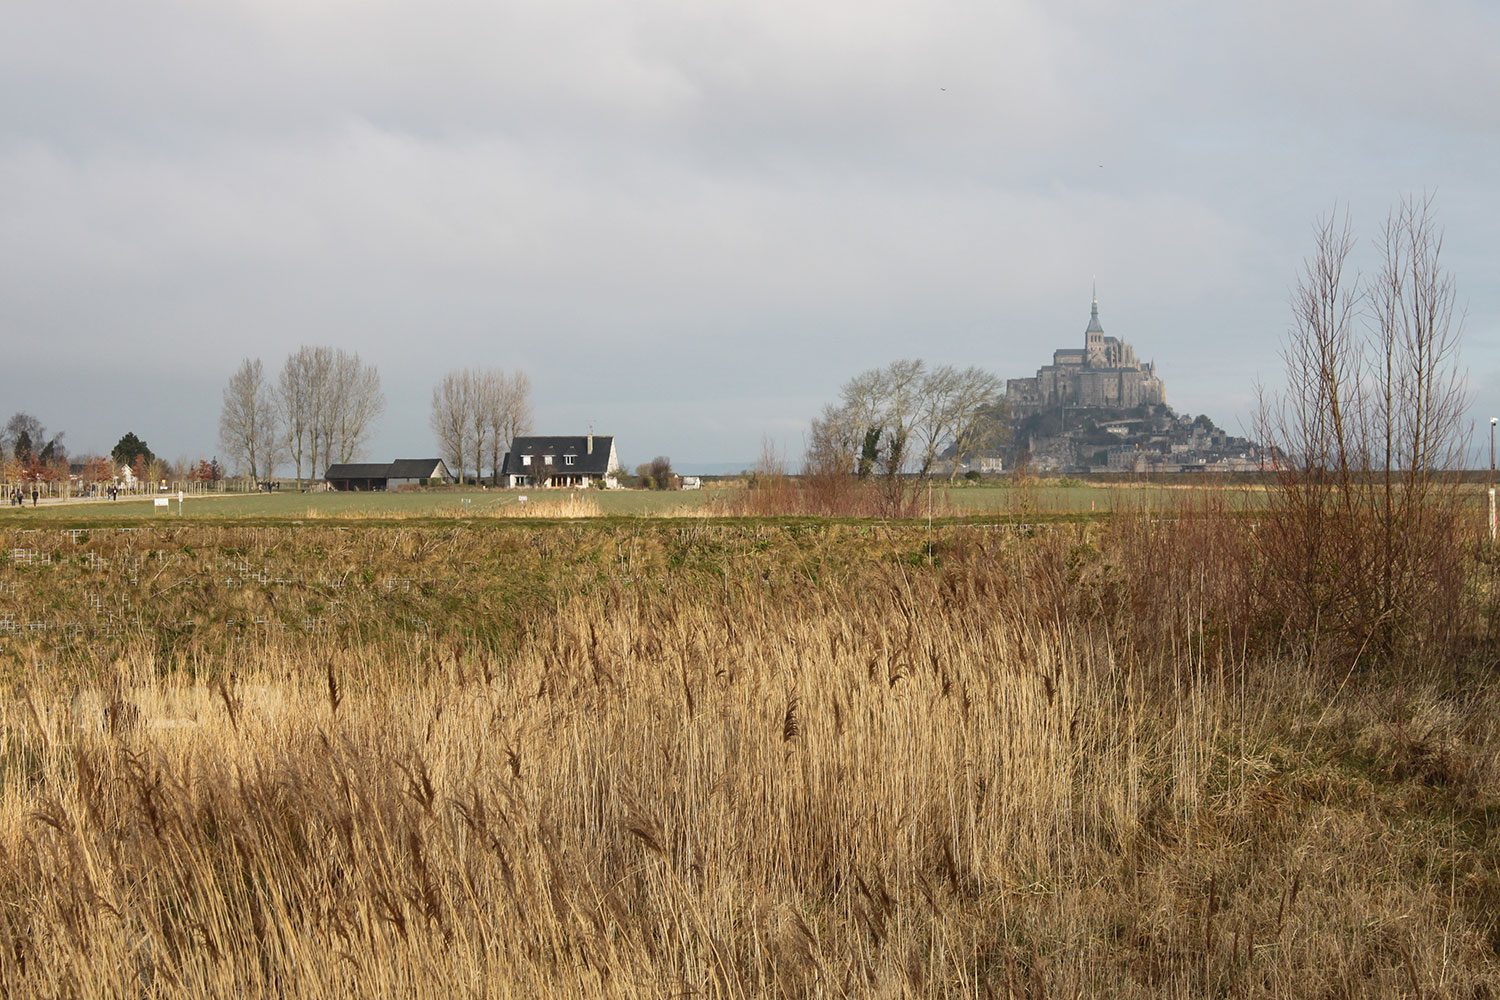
x: 561, y: 462
x: 377, y: 476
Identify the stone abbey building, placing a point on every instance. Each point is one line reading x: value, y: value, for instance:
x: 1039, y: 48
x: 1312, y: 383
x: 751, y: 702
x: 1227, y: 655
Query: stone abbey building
x: 1104, y: 372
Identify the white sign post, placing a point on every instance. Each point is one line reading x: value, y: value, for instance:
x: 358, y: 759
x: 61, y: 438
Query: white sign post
x: 1494, y: 422
x: 179, y: 503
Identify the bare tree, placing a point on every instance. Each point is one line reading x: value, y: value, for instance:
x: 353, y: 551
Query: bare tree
x: 248, y: 425
x: 484, y: 387
x: 1413, y: 422
x: 295, y: 407
x: 492, y: 413
x: 1362, y: 540
x: 518, y: 410
x: 972, y: 415
x: 897, y: 421
x: 934, y: 398
x: 318, y: 369
x: 900, y: 390
x: 862, y: 412
x: 987, y: 428
x: 327, y: 401
x: 451, y: 403
x: 950, y: 414
x: 832, y: 442
x: 476, y: 413
x: 901, y: 418
x: 358, y: 401
x: 508, y: 407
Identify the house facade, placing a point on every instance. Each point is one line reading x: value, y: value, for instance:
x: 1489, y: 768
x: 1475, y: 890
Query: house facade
x: 561, y: 462
x: 417, y: 472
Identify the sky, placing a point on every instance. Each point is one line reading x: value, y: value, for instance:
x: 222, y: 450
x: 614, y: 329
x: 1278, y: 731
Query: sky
x: 690, y: 222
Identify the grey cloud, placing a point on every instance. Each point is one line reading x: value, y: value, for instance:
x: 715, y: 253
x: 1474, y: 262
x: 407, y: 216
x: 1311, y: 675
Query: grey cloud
x: 690, y: 222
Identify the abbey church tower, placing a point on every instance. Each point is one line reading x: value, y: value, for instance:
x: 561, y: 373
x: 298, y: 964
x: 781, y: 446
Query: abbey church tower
x: 1094, y: 338
x: 1103, y: 373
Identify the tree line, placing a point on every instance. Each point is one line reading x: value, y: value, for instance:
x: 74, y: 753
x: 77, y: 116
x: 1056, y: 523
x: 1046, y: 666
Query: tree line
x: 29, y: 453
x: 318, y: 410
x: 476, y: 413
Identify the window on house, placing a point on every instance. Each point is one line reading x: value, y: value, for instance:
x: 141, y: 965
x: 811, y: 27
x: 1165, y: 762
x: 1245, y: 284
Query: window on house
x: 525, y: 459
x: 569, y: 458
x: 547, y: 459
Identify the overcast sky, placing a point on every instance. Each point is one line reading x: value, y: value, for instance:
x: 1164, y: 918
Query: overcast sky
x: 690, y: 221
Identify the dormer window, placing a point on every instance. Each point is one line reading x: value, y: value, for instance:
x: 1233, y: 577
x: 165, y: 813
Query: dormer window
x: 525, y: 459
x: 546, y: 459
x: 569, y: 459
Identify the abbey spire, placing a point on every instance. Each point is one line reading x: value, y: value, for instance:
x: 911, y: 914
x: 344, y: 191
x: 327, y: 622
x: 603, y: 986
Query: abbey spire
x: 1093, y: 338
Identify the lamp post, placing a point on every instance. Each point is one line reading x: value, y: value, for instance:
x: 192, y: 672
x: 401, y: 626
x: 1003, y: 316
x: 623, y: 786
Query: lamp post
x: 1493, y: 422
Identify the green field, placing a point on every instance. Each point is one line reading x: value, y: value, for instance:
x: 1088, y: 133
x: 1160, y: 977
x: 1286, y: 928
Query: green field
x: 293, y: 506
x: 947, y: 501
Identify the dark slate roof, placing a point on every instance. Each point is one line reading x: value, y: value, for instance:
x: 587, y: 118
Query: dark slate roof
x: 358, y: 470
x: 416, y: 468
x: 401, y: 468
x: 596, y: 464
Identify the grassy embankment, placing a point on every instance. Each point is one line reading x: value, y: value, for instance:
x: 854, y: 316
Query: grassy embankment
x: 676, y: 758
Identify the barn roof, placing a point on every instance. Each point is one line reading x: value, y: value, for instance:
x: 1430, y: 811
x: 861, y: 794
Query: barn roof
x: 358, y: 470
x: 416, y: 468
x: 401, y: 468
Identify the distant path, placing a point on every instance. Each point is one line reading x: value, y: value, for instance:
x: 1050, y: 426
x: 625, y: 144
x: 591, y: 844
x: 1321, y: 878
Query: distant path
x: 126, y: 498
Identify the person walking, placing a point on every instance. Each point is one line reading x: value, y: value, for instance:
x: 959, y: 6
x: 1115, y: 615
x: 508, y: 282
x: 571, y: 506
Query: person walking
x: 35, y: 495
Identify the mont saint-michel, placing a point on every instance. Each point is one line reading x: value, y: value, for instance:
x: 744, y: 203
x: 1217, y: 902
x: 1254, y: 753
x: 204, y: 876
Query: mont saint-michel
x: 1098, y: 407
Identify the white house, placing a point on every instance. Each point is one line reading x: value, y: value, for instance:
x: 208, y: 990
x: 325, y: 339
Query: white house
x: 561, y: 462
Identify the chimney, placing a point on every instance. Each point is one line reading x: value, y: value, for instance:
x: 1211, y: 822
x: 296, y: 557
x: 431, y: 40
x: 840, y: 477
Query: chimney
x: 591, y: 439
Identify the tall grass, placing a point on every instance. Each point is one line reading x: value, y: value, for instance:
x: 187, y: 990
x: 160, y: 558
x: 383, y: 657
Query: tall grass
x: 827, y: 492
x: 565, y: 506
x: 1024, y: 766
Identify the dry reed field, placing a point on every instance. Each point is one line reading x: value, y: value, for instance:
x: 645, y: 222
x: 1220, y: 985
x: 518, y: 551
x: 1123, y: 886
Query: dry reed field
x: 732, y: 759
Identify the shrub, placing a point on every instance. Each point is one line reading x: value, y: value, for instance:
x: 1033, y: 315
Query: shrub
x: 1362, y: 546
